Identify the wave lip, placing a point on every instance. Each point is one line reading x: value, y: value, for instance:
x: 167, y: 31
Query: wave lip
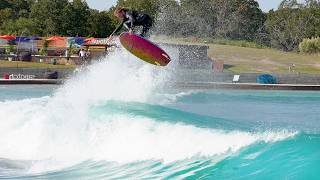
x: 134, y: 139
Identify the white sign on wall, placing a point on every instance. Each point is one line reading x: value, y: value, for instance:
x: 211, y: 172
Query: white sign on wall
x: 21, y: 76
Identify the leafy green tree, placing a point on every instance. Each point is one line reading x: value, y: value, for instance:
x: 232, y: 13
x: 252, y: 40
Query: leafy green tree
x: 233, y: 19
x: 21, y: 27
x: 146, y: 6
x: 100, y: 24
x: 238, y: 19
x: 198, y: 18
x: 54, y: 17
x: 75, y: 15
x: 168, y: 19
x: 288, y: 27
x: 4, y: 4
x: 19, y: 5
x: 6, y: 14
x: 248, y: 19
x: 49, y: 15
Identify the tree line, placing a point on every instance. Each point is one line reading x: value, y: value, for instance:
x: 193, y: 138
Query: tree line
x: 284, y: 28
x: 53, y: 17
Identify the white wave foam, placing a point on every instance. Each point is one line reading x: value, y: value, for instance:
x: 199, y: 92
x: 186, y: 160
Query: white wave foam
x: 55, y: 127
x: 172, y: 98
x: 126, y: 139
x: 20, y: 127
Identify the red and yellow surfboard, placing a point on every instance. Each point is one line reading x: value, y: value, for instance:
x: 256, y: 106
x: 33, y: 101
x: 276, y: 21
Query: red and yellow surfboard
x: 144, y: 49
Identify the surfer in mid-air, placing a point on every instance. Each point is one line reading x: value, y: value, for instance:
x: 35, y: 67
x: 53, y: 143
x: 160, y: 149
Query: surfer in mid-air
x: 131, y: 19
x: 136, y: 44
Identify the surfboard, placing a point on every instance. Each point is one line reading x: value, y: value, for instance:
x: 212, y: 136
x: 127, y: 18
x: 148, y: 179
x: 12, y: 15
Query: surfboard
x: 144, y: 49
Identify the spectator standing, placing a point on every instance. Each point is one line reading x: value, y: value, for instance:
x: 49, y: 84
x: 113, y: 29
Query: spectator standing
x: 88, y: 53
x: 82, y: 55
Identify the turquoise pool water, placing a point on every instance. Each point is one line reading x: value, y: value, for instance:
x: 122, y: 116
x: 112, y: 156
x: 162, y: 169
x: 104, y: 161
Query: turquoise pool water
x: 118, y: 121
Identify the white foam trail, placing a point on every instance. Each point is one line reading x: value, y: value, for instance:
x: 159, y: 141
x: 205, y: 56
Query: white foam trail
x: 172, y: 98
x: 125, y: 140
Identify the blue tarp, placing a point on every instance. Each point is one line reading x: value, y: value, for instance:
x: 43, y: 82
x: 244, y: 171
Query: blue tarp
x: 75, y: 41
x: 22, y: 39
x: 266, y: 79
x: 79, y: 40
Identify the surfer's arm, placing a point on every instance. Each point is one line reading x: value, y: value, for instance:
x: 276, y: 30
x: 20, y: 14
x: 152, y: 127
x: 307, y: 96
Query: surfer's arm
x: 130, y: 20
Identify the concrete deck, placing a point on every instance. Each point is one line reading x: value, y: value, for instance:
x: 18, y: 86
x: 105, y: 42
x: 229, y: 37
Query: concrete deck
x: 189, y: 85
x: 247, y: 86
x: 30, y: 81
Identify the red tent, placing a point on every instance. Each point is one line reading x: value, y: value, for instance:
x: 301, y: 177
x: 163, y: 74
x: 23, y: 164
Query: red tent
x: 55, y: 38
x: 8, y: 37
x: 89, y: 40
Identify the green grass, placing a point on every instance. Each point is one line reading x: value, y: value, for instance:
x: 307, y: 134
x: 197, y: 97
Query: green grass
x: 239, y: 43
x: 253, y: 58
x: 20, y: 64
x: 241, y: 59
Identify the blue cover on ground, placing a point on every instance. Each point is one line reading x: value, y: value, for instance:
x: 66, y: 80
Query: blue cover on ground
x: 79, y: 40
x: 22, y: 39
x: 266, y: 79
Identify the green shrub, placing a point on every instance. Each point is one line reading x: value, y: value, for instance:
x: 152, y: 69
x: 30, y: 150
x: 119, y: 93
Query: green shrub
x: 311, y: 46
x: 10, y: 49
x: 44, y: 49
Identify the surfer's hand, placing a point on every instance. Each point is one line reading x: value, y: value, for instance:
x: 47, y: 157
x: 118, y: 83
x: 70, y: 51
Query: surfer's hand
x: 130, y: 31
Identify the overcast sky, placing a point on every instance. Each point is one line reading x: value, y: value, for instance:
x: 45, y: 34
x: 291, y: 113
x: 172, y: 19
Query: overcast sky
x: 265, y: 5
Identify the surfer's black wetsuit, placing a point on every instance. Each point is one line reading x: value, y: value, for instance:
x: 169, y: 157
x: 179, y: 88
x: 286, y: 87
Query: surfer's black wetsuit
x: 133, y: 18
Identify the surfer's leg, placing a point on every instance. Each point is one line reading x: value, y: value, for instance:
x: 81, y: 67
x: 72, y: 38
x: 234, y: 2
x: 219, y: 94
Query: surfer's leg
x: 146, y: 26
x: 145, y: 29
